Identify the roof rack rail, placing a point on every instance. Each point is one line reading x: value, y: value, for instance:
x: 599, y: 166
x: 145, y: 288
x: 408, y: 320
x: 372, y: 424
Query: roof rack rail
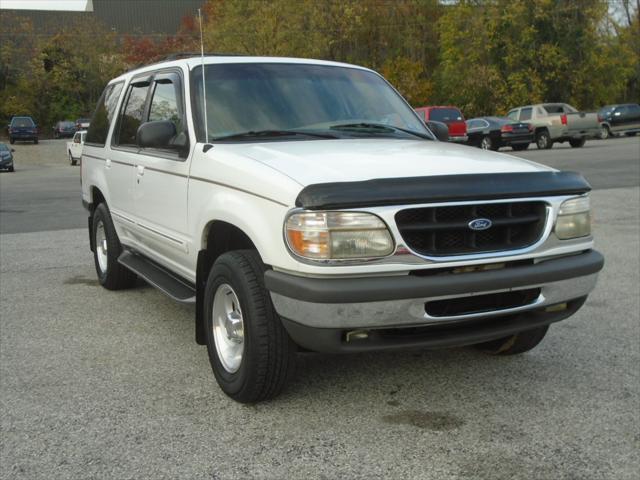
x: 179, y: 55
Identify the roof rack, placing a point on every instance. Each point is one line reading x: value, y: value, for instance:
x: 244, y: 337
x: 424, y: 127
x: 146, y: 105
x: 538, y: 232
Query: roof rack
x: 181, y: 55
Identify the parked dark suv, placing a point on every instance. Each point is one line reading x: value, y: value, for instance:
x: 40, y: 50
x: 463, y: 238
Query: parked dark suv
x: 23, y: 128
x: 619, y: 119
x: 65, y: 128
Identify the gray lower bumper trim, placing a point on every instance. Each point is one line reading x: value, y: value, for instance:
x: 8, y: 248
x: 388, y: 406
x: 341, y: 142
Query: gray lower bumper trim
x: 411, y: 312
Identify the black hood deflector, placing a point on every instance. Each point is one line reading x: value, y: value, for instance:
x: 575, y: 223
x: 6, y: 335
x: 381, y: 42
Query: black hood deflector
x: 440, y: 188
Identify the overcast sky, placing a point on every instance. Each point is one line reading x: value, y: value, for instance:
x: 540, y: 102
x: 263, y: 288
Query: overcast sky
x: 74, y: 5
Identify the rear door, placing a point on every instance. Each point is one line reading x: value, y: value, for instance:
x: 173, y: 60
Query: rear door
x: 619, y: 118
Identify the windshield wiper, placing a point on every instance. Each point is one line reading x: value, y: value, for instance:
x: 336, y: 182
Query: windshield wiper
x: 271, y: 134
x: 379, y: 127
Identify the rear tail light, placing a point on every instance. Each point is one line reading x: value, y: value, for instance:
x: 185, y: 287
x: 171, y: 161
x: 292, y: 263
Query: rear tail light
x: 600, y: 119
x: 506, y: 129
x: 563, y: 119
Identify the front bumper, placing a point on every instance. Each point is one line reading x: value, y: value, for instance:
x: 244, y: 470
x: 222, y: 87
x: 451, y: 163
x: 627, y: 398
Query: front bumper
x: 320, y: 313
x: 6, y: 162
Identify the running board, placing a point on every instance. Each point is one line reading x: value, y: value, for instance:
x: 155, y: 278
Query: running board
x: 178, y: 289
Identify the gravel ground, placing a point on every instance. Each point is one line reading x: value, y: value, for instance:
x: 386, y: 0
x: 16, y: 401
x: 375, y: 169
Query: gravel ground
x: 99, y: 384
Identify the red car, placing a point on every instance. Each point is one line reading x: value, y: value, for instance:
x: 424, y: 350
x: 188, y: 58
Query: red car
x: 452, y: 116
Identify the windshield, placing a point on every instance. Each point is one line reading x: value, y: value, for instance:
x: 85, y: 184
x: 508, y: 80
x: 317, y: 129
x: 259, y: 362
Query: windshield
x: 22, y: 122
x: 445, y: 115
x: 262, y: 97
x: 3, y: 148
x: 67, y: 124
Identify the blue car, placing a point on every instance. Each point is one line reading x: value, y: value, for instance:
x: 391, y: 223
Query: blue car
x: 6, y: 157
x: 23, y: 128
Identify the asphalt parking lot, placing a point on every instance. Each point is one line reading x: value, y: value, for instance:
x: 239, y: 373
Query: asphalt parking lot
x: 99, y: 384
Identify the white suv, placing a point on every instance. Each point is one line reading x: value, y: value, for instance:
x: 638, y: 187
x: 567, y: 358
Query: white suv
x: 303, y: 205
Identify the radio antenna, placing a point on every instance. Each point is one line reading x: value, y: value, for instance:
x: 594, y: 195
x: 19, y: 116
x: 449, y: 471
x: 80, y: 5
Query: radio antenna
x: 204, y: 88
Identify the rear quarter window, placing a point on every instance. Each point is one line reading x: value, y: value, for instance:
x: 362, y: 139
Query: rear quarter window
x: 446, y: 115
x: 103, y: 116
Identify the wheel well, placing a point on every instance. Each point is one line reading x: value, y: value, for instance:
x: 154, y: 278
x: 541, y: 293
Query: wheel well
x: 541, y: 129
x: 96, y: 198
x: 219, y: 238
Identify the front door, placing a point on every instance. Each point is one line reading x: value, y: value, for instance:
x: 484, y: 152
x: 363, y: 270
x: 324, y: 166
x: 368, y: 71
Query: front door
x: 161, y: 178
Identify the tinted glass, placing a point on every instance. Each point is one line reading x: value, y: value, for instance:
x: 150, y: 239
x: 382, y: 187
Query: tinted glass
x: 553, y: 108
x: 272, y: 96
x: 164, y: 104
x: 635, y: 109
x: 132, y: 115
x: 3, y: 147
x: 445, y: 115
x: 525, y: 113
x: 22, y: 122
x: 103, y: 116
x: 513, y: 115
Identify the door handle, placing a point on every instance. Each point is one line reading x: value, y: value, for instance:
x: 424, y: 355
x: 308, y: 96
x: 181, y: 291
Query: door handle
x: 140, y: 170
x: 107, y: 163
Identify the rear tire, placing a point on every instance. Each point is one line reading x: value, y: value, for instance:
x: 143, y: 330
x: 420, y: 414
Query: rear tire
x: 35, y: 141
x: 252, y: 361
x: 520, y: 147
x: 514, y: 344
x: 11, y: 169
x: 111, y: 274
x: 543, y: 140
x: 12, y: 140
x: 578, y: 143
x: 487, y: 143
x: 631, y: 134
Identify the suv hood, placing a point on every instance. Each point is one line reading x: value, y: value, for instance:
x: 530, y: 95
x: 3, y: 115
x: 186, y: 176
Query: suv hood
x: 345, y: 160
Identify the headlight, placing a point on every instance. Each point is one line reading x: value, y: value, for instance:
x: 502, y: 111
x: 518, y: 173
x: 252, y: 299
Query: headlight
x: 337, y: 235
x: 574, y: 219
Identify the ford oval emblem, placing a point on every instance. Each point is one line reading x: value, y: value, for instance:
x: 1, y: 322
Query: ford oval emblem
x: 480, y: 224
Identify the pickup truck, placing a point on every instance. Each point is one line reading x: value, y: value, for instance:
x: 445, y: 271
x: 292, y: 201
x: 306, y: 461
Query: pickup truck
x: 74, y: 147
x: 302, y: 205
x: 558, y: 122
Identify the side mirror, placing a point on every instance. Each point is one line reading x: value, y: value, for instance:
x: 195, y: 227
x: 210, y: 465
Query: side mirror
x: 157, y: 134
x: 440, y: 130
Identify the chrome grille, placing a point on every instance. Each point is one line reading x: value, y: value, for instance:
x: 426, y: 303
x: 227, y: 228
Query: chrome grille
x: 445, y: 231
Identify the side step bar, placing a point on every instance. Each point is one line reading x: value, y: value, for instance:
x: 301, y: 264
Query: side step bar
x: 178, y: 289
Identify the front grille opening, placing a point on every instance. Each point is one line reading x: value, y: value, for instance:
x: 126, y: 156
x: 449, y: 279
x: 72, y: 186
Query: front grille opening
x: 481, y: 303
x: 443, y: 231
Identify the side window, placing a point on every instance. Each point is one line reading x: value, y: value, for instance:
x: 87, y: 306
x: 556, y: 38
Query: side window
x: 132, y: 114
x: 540, y: 111
x: 525, y: 114
x: 513, y: 115
x: 165, y: 104
x: 103, y: 116
x: 76, y: 138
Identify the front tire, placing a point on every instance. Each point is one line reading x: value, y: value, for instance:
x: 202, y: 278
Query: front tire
x: 111, y: 274
x: 543, y: 140
x: 251, y: 354
x: 35, y: 141
x: 579, y: 143
x: 72, y: 160
x: 514, y: 344
x: 12, y: 140
x: 604, y: 132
